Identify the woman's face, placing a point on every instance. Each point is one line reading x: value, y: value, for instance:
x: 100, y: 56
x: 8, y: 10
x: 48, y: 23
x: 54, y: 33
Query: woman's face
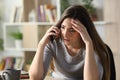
x: 69, y: 35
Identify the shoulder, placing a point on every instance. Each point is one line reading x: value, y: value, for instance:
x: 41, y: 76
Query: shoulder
x: 53, y: 46
x: 100, y: 66
x: 97, y: 58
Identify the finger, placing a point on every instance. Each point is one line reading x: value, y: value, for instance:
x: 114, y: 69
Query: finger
x: 53, y: 34
x: 55, y: 30
x: 78, y: 25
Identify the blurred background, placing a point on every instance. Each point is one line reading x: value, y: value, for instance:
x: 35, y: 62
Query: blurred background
x: 24, y: 22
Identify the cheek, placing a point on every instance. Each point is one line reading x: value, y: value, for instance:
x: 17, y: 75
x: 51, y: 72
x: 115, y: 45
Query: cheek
x: 63, y: 33
x: 76, y: 36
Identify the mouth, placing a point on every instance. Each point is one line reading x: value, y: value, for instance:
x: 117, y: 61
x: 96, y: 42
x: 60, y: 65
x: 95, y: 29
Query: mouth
x: 66, y: 40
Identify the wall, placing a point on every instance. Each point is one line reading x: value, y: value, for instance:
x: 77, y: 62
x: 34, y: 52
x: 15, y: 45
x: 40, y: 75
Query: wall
x: 112, y: 31
x: 6, y: 7
x: 9, y: 5
x: 111, y: 14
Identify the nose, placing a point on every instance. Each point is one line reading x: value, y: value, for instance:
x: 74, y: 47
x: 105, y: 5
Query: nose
x: 66, y: 33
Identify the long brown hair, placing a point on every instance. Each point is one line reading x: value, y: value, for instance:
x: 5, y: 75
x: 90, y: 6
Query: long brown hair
x: 80, y: 13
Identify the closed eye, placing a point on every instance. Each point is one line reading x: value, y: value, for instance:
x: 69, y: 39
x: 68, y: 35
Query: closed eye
x: 62, y: 26
x: 71, y: 30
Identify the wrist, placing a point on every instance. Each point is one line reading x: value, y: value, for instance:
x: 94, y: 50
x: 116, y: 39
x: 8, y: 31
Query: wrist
x: 89, y: 44
x: 40, y: 44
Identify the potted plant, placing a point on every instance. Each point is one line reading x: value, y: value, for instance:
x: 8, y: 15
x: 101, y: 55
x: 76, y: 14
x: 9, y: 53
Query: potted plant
x: 90, y: 8
x: 18, y: 36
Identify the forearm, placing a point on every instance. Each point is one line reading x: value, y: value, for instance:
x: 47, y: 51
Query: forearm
x: 36, y: 68
x: 90, y: 68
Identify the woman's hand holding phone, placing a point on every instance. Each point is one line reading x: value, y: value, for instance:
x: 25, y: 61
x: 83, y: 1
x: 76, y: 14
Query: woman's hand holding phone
x: 52, y: 33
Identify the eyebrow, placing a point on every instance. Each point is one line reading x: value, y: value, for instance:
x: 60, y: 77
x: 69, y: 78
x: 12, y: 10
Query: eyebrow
x: 62, y: 25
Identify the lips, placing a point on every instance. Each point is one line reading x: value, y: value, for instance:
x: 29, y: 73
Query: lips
x: 66, y: 40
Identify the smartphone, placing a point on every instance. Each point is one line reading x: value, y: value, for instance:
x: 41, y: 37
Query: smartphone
x: 53, y: 37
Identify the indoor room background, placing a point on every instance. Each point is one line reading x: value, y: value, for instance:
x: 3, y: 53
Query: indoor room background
x: 107, y: 24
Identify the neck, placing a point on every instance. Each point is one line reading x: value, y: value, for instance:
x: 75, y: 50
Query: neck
x: 73, y: 50
x: 77, y: 46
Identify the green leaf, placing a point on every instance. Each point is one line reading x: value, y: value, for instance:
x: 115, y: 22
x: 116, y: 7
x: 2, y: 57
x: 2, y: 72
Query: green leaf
x: 16, y: 35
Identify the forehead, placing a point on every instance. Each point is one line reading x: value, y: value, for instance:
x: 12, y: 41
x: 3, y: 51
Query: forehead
x: 67, y: 22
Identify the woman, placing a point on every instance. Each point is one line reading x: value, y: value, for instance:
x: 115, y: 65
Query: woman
x: 77, y: 49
